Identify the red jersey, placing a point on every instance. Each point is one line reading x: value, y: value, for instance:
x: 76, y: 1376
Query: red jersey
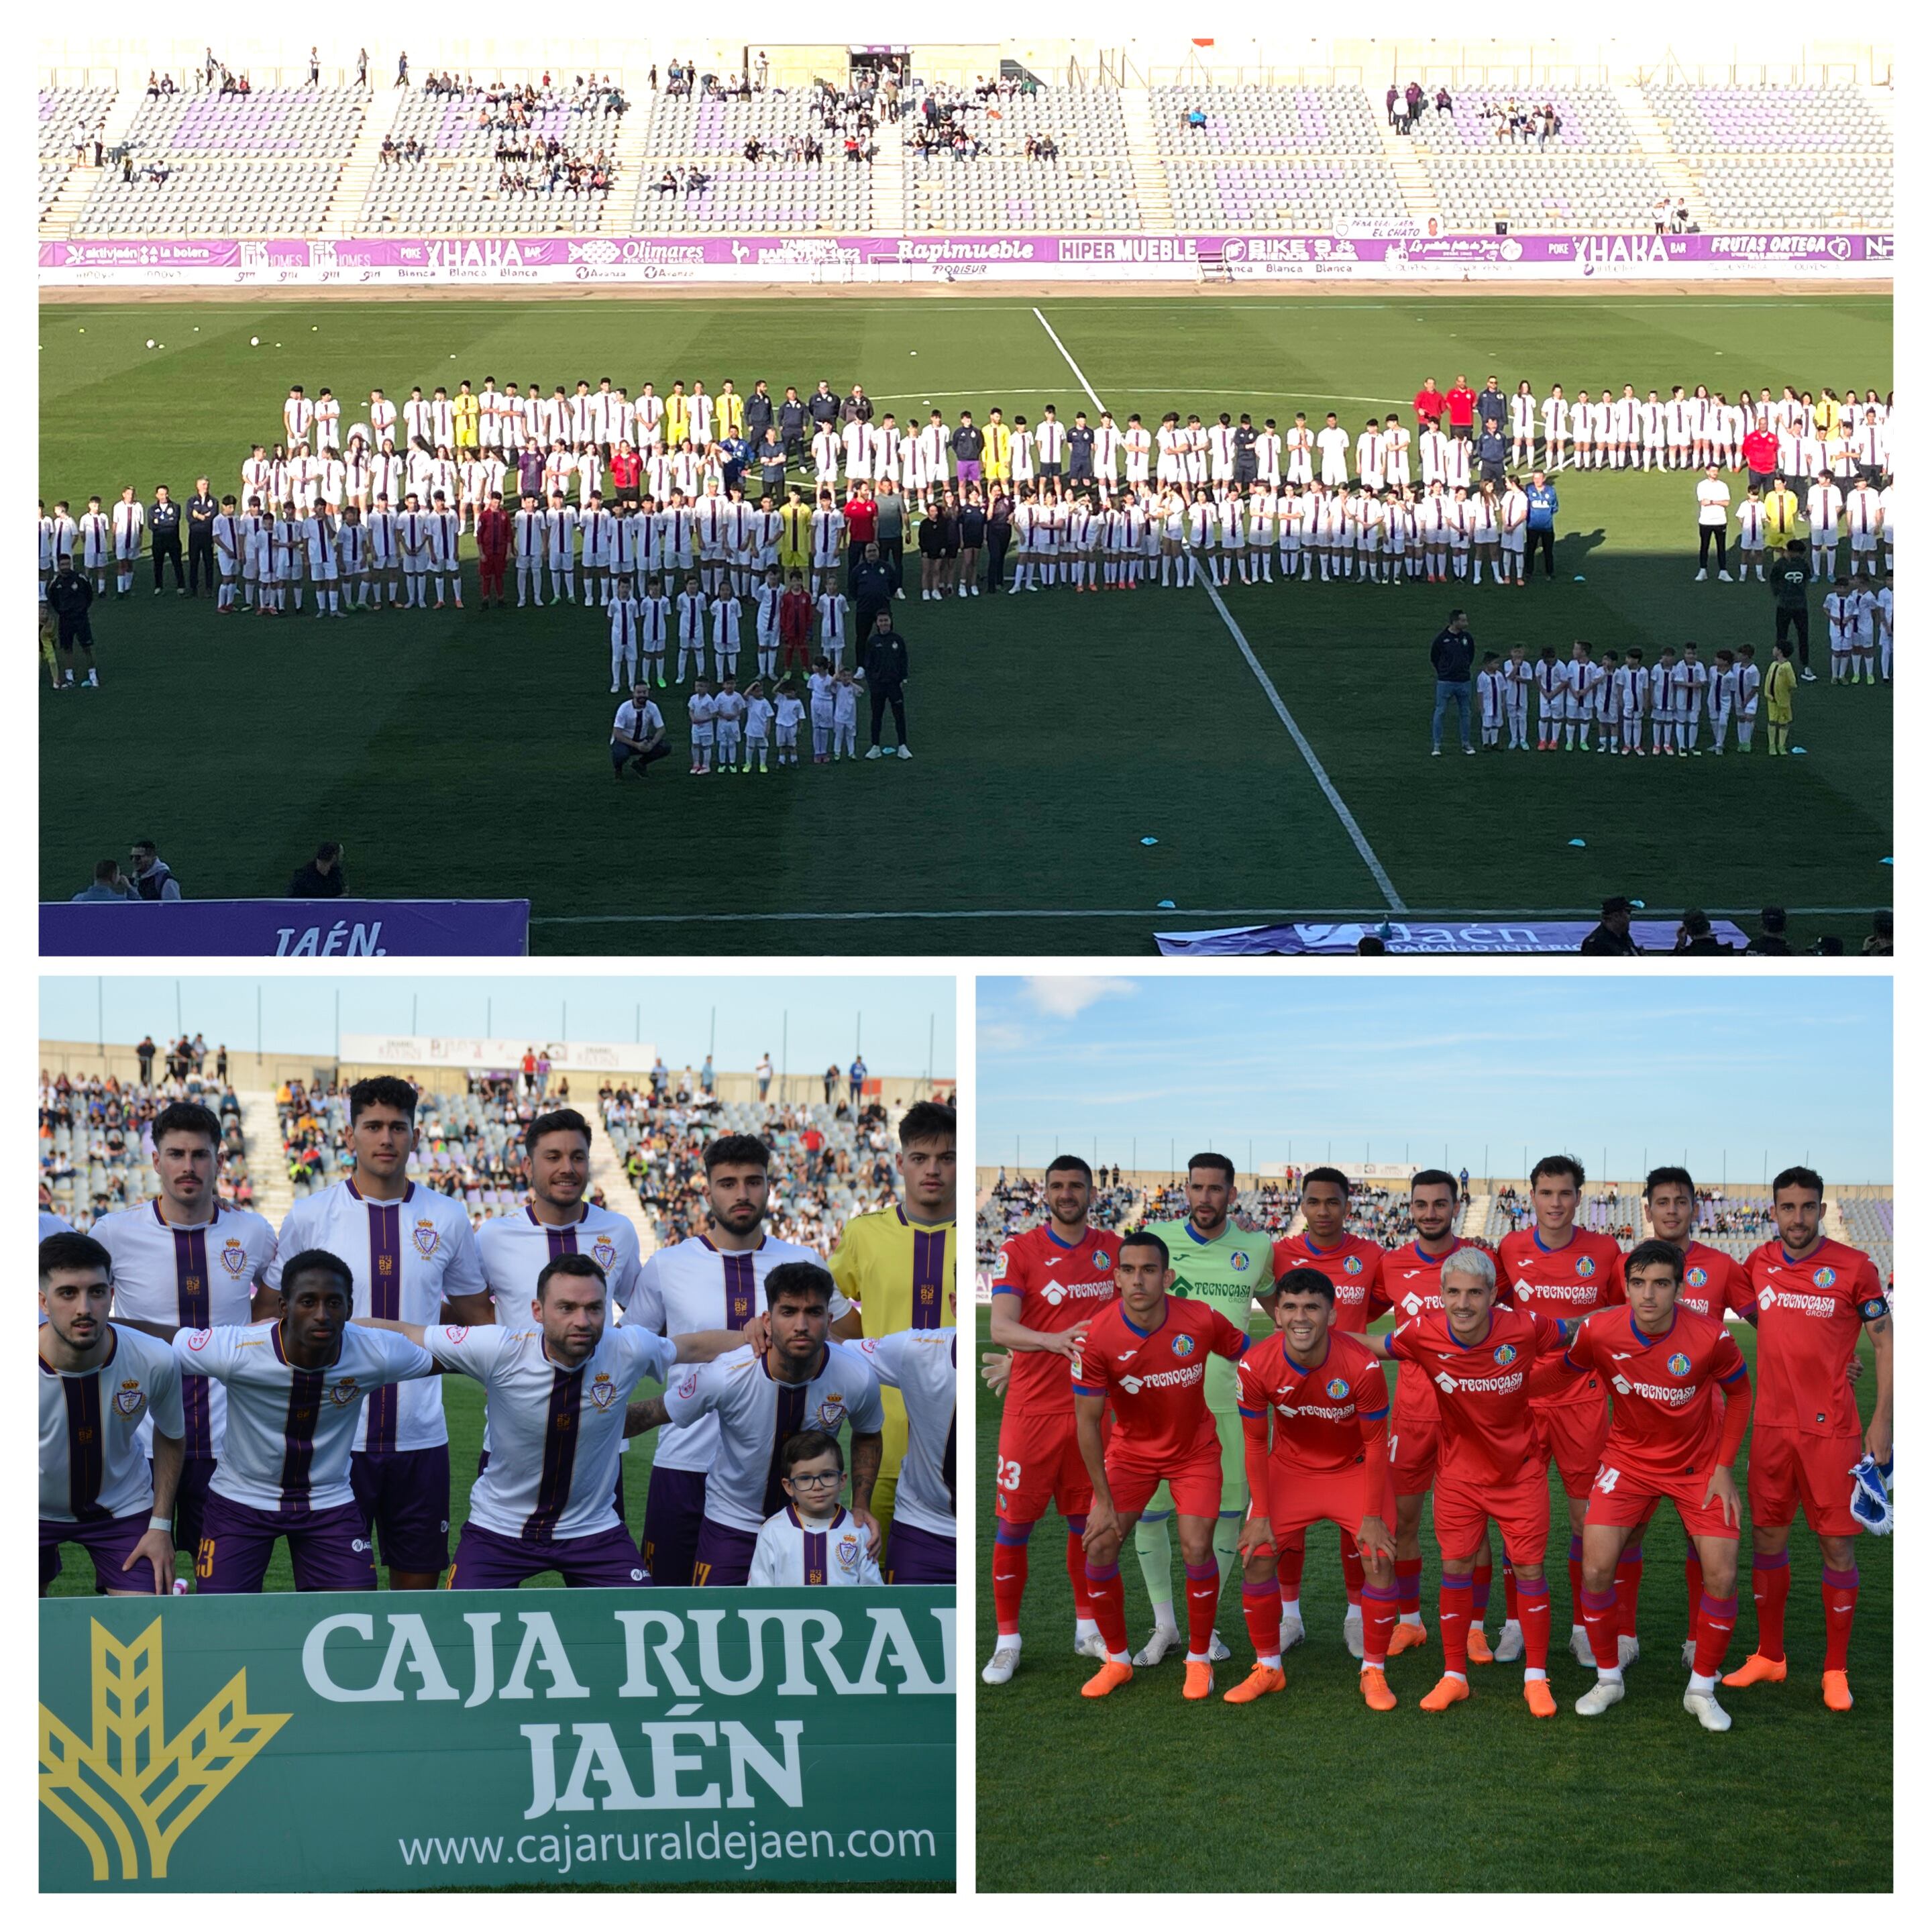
x: 1429, y: 404
x: 493, y: 534
x: 795, y: 617
x: 1586, y: 1274
x: 1665, y: 1418
x: 1060, y: 1284
x: 1809, y: 1314
x: 1322, y: 1415
x: 1714, y: 1282
x: 626, y: 466
x: 1461, y: 406
x: 1353, y: 1267
x: 1411, y: 1284
x: 1482, y: 1389
x: 861, y: 521
x: 1156, y: 1380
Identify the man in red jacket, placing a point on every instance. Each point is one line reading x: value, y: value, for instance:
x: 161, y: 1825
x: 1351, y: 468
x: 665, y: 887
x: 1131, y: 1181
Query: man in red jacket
x: 1429, y: 402
x: 1461, y: 410
x: 795, y: 625
x: 861, y: 527
x: 1760, y: 453
x: 627, y: 468
x: 493, y: 548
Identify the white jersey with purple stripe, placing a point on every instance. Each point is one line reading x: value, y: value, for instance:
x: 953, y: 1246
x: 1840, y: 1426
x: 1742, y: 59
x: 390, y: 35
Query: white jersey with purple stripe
x: 695, y: 1286
x: 409, y: 1257
x: 52, y: 1224
x: 513, y: 1249
x: 554, y: 1433
x: 922, y: 1364
x: 290, y: 1430
x: 93, y: 1467
x: 756, y: 1415
x: 793, y: 1551
x: 202, y: 1276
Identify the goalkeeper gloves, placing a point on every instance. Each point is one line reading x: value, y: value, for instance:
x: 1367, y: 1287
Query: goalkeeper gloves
x: 1871, y: 1495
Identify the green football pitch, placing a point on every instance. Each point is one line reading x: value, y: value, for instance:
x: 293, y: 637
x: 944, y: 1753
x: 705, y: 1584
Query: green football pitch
x: 1312, y: 1791
x: 462, y: 755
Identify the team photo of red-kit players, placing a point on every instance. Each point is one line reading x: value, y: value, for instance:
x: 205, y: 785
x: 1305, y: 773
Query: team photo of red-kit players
x: 1558, y: 1346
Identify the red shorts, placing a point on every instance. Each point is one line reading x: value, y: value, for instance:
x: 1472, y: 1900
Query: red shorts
x: 1576, y: 1432
x: 1040, y: 1464
x: 1298, y: 1499
x: 1194, y: 1484
x: 1413, y: 1449
x: 1520, y: 1510
x: 1625, y: 1498
x: 1788, y: 1469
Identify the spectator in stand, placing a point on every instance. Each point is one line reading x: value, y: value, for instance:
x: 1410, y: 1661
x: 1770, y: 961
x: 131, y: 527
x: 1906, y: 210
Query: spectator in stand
x: 109, y: 882
x: 707, y: 1080
x: 144, y: 1052
x: 1462, y: 410
x: 153, y: 878
x: 1878, y: 941
x: 1610, y: 938
x: 831, y: 1082
x: 322, y: 877
x: 764, y: 1072
x: 1770, y: 941
x: 856, y: 1075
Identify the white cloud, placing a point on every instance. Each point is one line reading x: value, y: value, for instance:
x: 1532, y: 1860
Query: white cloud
x: 1064, y: 997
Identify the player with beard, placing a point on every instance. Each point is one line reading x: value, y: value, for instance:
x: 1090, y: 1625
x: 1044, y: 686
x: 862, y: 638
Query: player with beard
x: 189, y: 1259
x: 1353, y: 1268
x: 712, y: 1280
x: 1049, y: 1282
x: 1213, y: 1262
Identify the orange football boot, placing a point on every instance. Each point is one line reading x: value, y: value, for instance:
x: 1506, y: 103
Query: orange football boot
x: 1480, y: 1651
x: 1537, y: 1695
x: 1200, y: 1682
x: 1756, y: 1670
x: 1107, y: 1679
x: 1261, y: 1681
x: 1838, y: 1691
x: 1376, y: 1693
x: 1407, y: 1636
x: 1448, y: 1690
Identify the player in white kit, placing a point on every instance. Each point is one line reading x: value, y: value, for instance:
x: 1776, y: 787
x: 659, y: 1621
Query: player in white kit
x: 1519, y: 674
x: 814, y: 1540
x: 922, y: 1363
x: 412, y: 1256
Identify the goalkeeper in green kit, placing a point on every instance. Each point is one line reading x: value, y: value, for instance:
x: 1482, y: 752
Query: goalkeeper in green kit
x: 1215, y: 1262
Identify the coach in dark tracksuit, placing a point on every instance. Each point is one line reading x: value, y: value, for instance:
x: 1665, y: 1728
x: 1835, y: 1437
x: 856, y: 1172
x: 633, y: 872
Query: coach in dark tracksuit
x: 884, y: 664
x: 791, y: 426
x: 201, y: 512
x: 1452, y: 653
x: 1791, y: 585
x: 760, y: 414
x: 69, y: 595
x: 164, y: 532
x: 1247, y: 463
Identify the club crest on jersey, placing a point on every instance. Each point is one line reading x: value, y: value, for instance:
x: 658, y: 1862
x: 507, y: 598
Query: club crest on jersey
x: 200, y: 1339
x: 1504, y: 1355
x: 128, y: 1399
x: 1238, y: 1261
x: 425, y: 1237
x: 1100, y: 1261
x: 1695, y: 1277
x: 1183, y: 1345
x: 234, y: 1257
x: 688, y: 1387
x: 1338, y: 1388
x: 344, y: 1392
x: 832, y: 1412
x: 603, y: 1390
x: 1353, y: 1265
x: 604, y: 1251
x: 455, y: 1334
x: 845, y: 1552
x: 1586, y: 1267
x: 1679, y: 1365
x: 1824, y: 1276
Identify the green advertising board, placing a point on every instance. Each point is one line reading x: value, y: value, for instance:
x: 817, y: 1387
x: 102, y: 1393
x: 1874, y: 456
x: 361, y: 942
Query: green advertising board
x: 374, y: 1741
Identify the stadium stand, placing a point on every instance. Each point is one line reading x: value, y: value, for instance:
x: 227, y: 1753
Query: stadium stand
x: 228, y: 164
x: 457, y: 185
x: 827, y: 1165
x: 67, y: 115
x: 1089, y: 184
x: 756, y: 197
x: 92, y: 1159
x: 1785, y: 157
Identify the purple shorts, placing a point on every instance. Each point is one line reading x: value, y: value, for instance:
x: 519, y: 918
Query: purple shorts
x: 190, y: 1499
x: 969, y: 472
x: 110, y: 1540
x: 330, y: 1548
x: 403, y: 1495
x: 723, y: 1556
x: 673, y: 1513
x: 916, y: 1556
x: 608, y: 1560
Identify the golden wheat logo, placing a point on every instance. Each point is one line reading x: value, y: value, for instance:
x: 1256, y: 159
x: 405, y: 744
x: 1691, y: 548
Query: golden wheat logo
x: 131, y: 1773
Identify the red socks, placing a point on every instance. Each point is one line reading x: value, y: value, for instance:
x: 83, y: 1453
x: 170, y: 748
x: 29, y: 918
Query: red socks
x: 1481, y: 1579
x: 1379, y: 1619
x: 1770, y: 1584
x: 1533, y: 1613
x: 1076, y: 1566
x: 1454, y: 1605
x: 1576, y: 1579
x: 1600, y: 1621
x: 1262, y: 1607
x: 1010, y: 1578
x: 1717, y: 1616
x: 1841, y: 1598
x: 1630, y: 1580
x: 1512, y: 1599
x: 1694, y: 1589
x: 1352, y: 1569
x: 1408, y: 1586
x: 1110, y: 1607
x: 1204, y: 1592
x: 1288, y: 1566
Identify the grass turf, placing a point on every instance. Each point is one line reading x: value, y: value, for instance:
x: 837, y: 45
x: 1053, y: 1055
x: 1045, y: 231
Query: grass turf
x: 1052, y: 736
x: 1134, y: 1793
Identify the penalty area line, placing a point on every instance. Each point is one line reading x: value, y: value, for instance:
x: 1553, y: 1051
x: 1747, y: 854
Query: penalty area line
x: 1377, y: 871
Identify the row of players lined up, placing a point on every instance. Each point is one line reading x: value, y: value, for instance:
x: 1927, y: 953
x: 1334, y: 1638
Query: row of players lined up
x: 1369, y: 534
x: 184, y: 1331
x: 1558, y: 1348
x: 1621, y: 431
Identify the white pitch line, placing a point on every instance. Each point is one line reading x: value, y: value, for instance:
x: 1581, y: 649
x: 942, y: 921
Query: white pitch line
x: 1377, y: 871
x: 1483, y: 915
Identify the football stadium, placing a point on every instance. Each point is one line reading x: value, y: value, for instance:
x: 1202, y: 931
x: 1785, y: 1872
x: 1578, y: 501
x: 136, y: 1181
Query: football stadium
x: 1215, y: 321
x: 582, y: 1165
x: 1639, y: 1797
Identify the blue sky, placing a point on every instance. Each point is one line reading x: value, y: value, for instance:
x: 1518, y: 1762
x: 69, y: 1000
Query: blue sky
x: 1723, y: 1074
x: 809, y: 1022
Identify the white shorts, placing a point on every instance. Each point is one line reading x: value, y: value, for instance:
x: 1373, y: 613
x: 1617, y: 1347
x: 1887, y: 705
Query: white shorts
x: 325, y: 573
